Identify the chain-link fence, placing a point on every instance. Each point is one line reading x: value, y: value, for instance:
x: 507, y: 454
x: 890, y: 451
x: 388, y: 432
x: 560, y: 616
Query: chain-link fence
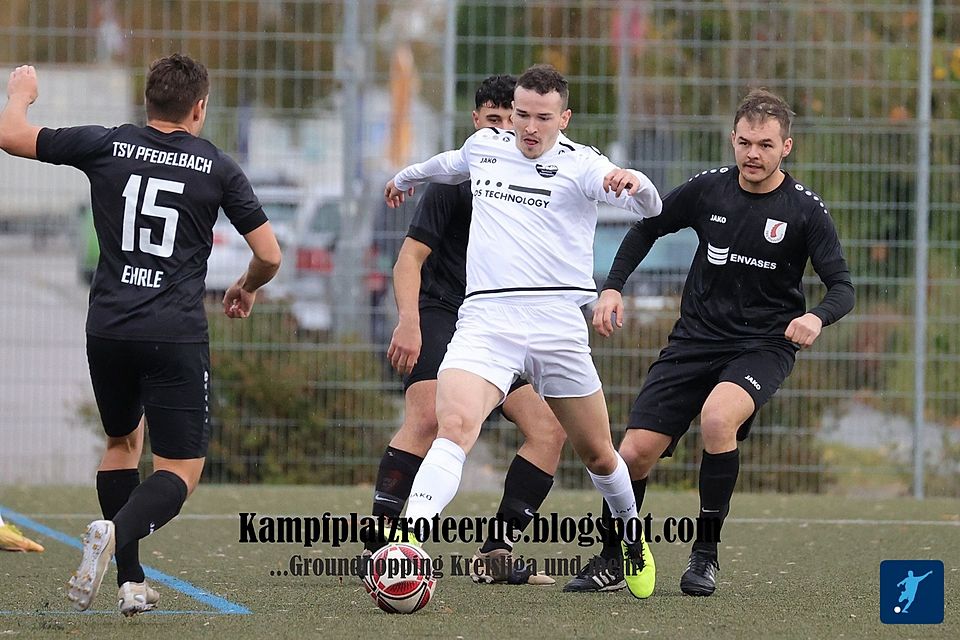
x: 330, y: 97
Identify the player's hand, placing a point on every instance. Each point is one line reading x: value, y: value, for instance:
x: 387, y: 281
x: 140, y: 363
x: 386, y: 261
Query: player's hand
x: 621, y: 180
x: 394, y: 196
x: 404, y: 347
x: 238, y: 303
x: 611, y: 302
x: 804, y: 330
x: 23, y: 81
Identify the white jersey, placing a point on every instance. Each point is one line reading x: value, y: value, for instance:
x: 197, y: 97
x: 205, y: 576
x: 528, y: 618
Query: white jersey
x: 533, y: 219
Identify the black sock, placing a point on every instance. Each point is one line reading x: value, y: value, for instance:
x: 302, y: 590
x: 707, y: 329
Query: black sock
x: 611, y: 542
x: 113, y: 490
x: 151, y: 505
x: 718, y: 477
x: 524, y: 490
x: 394, y: 480
x: 395, y: 477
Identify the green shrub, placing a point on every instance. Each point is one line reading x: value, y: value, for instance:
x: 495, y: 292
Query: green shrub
x: 287, y: 409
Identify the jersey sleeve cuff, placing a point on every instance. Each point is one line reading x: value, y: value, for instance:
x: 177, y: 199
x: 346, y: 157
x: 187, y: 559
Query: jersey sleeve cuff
x: 250, y: 222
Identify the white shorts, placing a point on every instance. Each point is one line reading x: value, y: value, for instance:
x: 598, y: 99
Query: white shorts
x: 543, y: 338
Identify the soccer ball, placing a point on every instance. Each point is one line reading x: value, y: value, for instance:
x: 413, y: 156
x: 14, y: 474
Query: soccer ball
x: 399, y: 578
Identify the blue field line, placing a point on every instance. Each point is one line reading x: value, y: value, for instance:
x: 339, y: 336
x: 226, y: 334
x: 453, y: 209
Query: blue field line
x: 221, y: 605
x: 113, y: 612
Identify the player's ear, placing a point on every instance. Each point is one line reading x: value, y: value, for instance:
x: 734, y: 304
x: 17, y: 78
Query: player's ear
x: 565, y: 118
x: 200, y: 108
x: 787, y: 147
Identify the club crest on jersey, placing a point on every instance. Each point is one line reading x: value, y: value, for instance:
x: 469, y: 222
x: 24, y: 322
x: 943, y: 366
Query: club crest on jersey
x: 547, y: 170
x: 775, y: 230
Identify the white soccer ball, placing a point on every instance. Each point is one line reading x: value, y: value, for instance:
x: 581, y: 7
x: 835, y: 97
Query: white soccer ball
x: 400, y: 578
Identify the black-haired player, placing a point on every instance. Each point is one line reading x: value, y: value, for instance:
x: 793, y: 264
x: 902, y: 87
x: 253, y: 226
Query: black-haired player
x: 156, y: 192
x: 743, y: 317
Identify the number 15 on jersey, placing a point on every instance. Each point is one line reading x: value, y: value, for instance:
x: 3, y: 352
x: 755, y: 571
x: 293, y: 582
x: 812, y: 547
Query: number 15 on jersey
x: 149, y: 207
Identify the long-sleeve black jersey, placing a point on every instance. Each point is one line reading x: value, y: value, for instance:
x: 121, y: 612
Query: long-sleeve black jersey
x: 745, y: 282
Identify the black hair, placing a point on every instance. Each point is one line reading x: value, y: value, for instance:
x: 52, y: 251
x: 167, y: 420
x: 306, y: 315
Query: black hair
x: 544, y: 78
x: 174, y: 85
x: 496, y: 90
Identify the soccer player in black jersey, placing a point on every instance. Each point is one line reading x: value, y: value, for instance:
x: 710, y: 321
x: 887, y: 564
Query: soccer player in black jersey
x: 429, y: 281
x: 743, y: 317
x: 156, y: 192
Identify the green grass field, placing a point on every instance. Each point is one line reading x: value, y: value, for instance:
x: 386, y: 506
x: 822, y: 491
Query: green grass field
x: 791, y: 567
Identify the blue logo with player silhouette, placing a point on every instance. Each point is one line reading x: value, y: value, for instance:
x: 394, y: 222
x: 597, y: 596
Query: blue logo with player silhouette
x: 911, y: 592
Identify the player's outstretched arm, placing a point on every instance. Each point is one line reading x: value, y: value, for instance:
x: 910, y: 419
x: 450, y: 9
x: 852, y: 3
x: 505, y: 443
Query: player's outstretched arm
x: 449, y: 167
x: 610, y: 302
x: 240, y: 297
x: 405, y: 344
x: 17, y: 136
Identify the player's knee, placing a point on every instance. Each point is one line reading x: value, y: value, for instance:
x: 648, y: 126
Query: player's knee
x: 454, y: 427
x: 188, y: 470
x: 601, y: 463
x: 546, y: 436
x: 190, y: 478
x: 639, y: 454
x: 718, y: 435
x: 717, y: 427
x: 127, y: 444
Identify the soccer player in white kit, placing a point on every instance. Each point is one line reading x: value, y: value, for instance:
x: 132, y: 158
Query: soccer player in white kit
x: 529, y: 269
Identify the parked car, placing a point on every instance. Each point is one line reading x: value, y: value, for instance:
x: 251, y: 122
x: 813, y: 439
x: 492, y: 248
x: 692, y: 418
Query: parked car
x: 230, y: 253
x: 314, y: 242
x: 661, y: 273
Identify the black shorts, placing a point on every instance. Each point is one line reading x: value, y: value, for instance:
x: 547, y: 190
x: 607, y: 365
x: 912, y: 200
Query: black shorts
x: 680, y: 380
x: 437, y: 325
x: 167, y: 381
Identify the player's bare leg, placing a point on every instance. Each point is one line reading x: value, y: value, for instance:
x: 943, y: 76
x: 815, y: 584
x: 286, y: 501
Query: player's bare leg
x: 464, y: 400
x: 543, y: 434
x: 123, y: 452
x: 419, y: 426
x: 528, y: 481
x: 640, y: 450
x: 588, y: 427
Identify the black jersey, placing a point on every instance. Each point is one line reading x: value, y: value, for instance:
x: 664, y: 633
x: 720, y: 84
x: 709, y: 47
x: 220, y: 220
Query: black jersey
x: 745, y: 282
x: 442, y: 222
x: 155, y: 198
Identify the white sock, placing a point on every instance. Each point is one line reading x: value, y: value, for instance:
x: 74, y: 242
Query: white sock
x: 437, y: 480
x: 618, y: 492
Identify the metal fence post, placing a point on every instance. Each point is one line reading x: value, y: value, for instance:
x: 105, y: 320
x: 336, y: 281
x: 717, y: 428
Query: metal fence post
x: 922, y: 243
